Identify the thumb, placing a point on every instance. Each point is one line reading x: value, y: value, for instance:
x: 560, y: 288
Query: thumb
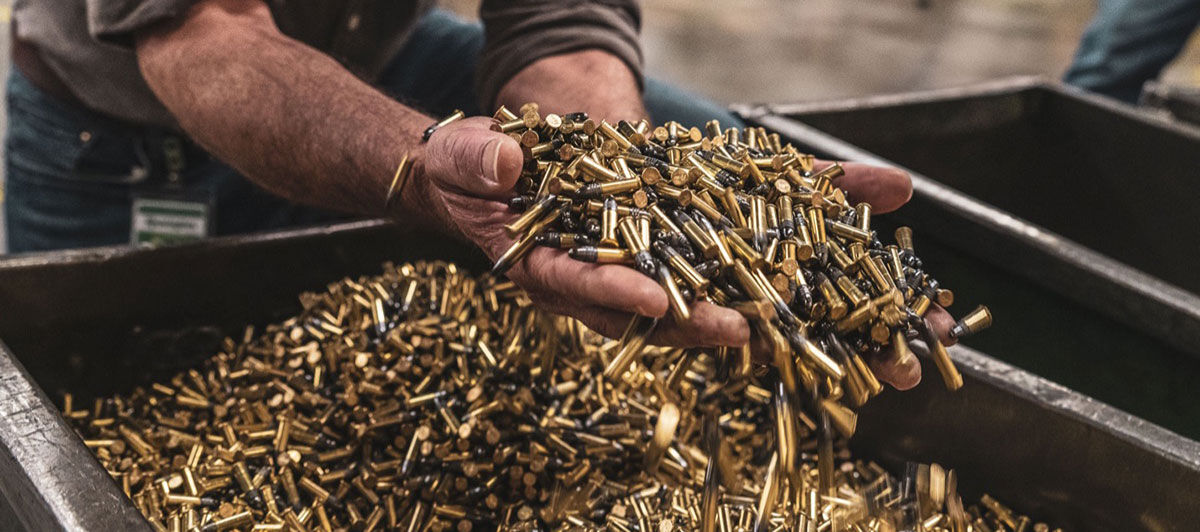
x: 468, y: 157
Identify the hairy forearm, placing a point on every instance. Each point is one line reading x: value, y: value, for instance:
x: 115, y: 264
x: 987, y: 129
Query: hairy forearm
x: 283, y: 114
x: 591, y: 80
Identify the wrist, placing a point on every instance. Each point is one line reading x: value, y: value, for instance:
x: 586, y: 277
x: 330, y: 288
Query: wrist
x: 419, y: 204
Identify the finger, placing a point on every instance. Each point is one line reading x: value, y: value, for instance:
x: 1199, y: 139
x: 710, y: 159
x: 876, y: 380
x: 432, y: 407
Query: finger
x: 470, y: 158
x: 608, y: 322
x: 886, y: 189
x: 708, y: 325
x: 551, y: 273
x: 942, y: 322
x: 479, y: 219
x: 902, y: 373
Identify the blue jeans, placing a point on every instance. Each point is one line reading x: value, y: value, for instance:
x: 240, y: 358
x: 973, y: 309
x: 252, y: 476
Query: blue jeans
x: 72, y: 173
x: 1129, y: 42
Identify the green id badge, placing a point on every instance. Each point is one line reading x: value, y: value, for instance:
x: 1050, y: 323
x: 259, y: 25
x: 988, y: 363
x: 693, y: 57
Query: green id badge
x: 166, y: 220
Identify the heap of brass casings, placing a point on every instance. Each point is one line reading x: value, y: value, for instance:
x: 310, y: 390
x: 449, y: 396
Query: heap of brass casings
x: 738, y: 219
x: 429, y: 399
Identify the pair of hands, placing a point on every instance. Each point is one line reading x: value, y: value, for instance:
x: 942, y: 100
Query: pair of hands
x: 467, y: 172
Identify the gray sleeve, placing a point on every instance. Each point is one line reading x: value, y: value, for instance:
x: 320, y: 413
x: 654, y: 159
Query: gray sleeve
x: 116, y: 21
x: 519, y: 32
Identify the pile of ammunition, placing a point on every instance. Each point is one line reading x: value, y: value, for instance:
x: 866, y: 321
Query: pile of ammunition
x: 738, y: 219
x: 429, y: 399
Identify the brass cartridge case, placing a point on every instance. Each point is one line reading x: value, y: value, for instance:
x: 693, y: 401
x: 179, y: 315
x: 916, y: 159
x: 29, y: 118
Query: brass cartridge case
x: 589, y: 167
x: 608, y: 223
x: 852, y: 292
x: 904, y: 238
x: 633, y: 341
x: 533, y: 214
x: 709, y: 210
x: 523, y: 245
x: 975, y: 321
x: 816, y: 224
x: 681, y: 196
x: 835, y: 303
x: 686, y: 271
x: 849, y: 232
x: 941, y: 358
x: 876, y: 273
x: 602, y: 255
x: 455, y: 116
x: 864, y: 216
x: 743, y: 250
x: 610, y: 188
x: 664, y: 435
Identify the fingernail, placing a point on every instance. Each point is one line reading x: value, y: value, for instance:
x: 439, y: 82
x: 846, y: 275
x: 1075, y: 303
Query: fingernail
x: 491, y: 162
x: 650, y: 313
x: 643, y: 311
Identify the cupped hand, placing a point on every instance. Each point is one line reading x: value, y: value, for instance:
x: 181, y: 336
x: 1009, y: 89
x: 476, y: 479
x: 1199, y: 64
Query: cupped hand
x: 467, y: 172
x: 887, y: 189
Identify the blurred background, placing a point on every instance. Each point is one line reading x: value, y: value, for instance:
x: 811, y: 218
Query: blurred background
x: 788, y: 50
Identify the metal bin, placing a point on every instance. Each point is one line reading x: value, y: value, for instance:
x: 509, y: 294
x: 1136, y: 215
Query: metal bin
x: 100, y: 321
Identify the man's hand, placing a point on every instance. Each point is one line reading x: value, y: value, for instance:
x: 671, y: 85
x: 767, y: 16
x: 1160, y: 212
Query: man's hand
x: 603, y: 296
x: 887, y: 189
x: 469, y: 171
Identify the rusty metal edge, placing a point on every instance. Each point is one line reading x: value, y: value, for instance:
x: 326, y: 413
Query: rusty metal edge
x: 999, y: 87
x: 105, y: 253
x: 48, y: 479
x: 1079, y: 407
x: 51, y: 481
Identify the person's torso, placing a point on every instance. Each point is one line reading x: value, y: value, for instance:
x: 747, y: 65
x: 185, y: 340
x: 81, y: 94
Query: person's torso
x: 362, y: 35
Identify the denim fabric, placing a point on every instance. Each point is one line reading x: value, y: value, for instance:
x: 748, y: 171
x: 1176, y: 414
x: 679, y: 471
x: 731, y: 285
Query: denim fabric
x: 72, y: 173
x: 1129, y: 42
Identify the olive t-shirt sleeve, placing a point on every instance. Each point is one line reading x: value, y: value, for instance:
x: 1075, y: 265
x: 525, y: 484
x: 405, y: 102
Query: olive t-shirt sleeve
x: 116, y: 21
x: 519, y: 32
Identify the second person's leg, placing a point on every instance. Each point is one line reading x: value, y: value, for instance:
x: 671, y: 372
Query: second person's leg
x: 1129, y: 42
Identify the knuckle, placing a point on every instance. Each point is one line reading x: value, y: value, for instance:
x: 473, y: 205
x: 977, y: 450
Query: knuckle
x: 460, y: 151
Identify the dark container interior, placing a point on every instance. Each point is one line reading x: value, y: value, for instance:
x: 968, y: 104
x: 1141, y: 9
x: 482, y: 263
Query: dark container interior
x: 1071, y: 217
x: 1126, y: 187
x: 99, y: 322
